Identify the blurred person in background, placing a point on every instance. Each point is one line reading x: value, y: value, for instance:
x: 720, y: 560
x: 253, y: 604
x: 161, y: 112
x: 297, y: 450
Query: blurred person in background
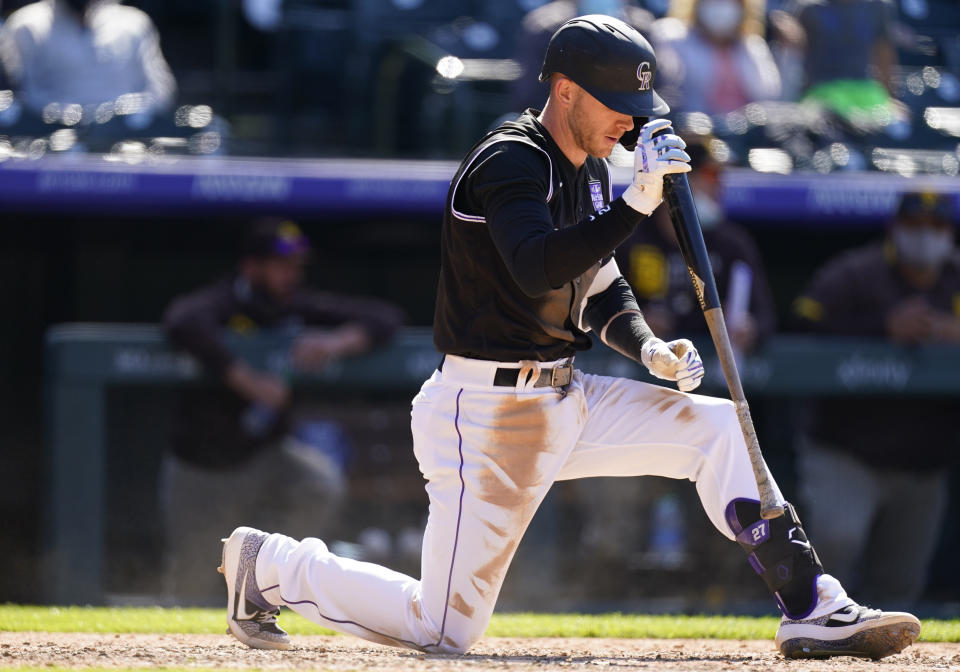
x: 541, y: 23
x: 713, y: 57
x: 849, y: 57
x: 244, y: 437
x: 884, y: 462
x: 658, y: 275
x: 92, y: 53
x: 787, y: 44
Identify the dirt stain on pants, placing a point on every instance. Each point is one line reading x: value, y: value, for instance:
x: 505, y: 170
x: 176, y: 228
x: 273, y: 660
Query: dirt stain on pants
x: 517, y: 440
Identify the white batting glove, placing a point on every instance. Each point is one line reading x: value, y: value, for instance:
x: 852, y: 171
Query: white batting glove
x: 658, y: 153
x: 677, y: 360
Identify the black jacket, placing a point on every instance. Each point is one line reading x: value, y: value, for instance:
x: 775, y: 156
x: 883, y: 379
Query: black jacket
x: 209, y: 429
x: 851, y: 296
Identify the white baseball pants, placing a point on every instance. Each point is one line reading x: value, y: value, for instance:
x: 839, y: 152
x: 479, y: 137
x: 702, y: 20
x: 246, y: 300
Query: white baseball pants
x: 489, y: 456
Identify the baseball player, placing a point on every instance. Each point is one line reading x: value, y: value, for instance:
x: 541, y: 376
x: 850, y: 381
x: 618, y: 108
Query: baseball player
x: 526, y: 271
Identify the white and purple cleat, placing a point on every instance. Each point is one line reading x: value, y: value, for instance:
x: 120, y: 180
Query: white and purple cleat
x: 851, y: 631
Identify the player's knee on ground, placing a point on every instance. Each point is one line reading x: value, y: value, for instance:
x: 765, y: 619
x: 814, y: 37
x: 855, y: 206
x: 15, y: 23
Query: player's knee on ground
x: 459, y: 638
x: 780, y: 553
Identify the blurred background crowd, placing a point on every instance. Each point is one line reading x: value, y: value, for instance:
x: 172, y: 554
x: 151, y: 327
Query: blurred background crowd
x: 817, y: 90
x: 785, y: 84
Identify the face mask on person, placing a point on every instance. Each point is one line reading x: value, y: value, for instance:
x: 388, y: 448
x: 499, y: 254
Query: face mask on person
x: 709, y: 212
x: 720, y: 18
x: 922, y: 247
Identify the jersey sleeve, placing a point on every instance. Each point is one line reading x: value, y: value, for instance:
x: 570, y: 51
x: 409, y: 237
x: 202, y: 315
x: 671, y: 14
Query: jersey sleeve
x: 614, y: 316
x: 511, y: 186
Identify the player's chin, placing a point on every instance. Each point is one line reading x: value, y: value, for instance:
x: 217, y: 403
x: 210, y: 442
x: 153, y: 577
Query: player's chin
x: 604, y: 147
x: 602, y: 152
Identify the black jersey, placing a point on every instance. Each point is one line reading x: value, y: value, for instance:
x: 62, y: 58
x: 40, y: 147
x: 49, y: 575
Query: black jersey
x: 510, y: 287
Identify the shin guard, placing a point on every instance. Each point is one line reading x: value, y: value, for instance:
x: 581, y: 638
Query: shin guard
x: 780, y: 553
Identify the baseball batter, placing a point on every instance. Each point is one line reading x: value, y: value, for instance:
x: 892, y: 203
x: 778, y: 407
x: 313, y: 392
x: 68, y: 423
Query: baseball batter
x: 526, y: 271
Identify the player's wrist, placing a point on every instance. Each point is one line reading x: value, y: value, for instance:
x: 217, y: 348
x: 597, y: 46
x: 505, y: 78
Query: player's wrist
x: 644, y: 194
x: 647, y: 350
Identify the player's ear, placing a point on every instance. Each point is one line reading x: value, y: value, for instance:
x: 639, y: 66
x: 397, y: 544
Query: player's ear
x: 563, y: 89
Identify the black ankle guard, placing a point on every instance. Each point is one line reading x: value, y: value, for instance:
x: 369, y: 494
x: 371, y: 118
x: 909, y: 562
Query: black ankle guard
x: 780, y: 553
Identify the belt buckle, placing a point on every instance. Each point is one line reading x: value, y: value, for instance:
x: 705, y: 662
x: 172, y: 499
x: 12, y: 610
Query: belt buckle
x: 560, y: 376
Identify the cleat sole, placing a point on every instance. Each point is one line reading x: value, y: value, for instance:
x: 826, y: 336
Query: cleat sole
x: 874, y: 643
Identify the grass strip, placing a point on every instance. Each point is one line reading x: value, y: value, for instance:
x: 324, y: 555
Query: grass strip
x: 20, y: 618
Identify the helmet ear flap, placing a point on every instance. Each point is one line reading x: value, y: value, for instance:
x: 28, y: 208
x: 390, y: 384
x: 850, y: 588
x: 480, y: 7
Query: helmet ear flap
x: 629, y: 139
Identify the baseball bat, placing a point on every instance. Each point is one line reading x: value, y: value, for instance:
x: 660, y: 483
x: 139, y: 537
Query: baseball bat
x: 686, y: 224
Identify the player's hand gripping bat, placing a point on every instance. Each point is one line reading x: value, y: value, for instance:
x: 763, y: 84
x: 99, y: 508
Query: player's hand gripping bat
x: 686, y: 224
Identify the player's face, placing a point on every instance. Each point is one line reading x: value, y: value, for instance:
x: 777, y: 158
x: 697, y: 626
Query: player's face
x: 595, y: 127
x: 280, y: 277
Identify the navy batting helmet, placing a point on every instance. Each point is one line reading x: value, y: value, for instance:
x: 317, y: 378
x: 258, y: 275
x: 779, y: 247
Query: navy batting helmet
x: 610, y: 60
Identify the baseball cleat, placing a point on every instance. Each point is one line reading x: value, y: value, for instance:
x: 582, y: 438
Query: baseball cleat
x: 250, y: 618
x: 851, y: 631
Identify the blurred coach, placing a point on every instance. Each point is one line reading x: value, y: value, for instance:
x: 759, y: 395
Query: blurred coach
x: 874, y: 471
x: 240, y: 438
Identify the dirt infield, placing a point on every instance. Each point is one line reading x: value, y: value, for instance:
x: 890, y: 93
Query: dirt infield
x: 501, y: 654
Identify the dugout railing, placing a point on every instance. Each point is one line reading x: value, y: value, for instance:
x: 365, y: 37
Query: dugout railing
x: 84, y: 361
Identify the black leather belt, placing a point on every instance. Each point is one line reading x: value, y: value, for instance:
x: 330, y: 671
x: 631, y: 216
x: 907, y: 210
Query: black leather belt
x: 558, y: 376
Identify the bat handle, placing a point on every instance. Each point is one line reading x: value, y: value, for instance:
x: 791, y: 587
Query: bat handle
x: 683, y: 214
x: 679, y: 200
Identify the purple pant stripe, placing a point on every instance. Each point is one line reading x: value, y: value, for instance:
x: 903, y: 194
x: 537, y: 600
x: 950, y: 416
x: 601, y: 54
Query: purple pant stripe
x: 456, y: 539
x: 346, y: 622
x: 456, y: 536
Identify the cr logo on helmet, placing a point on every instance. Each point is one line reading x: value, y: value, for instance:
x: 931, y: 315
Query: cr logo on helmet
x: 645, y: 76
